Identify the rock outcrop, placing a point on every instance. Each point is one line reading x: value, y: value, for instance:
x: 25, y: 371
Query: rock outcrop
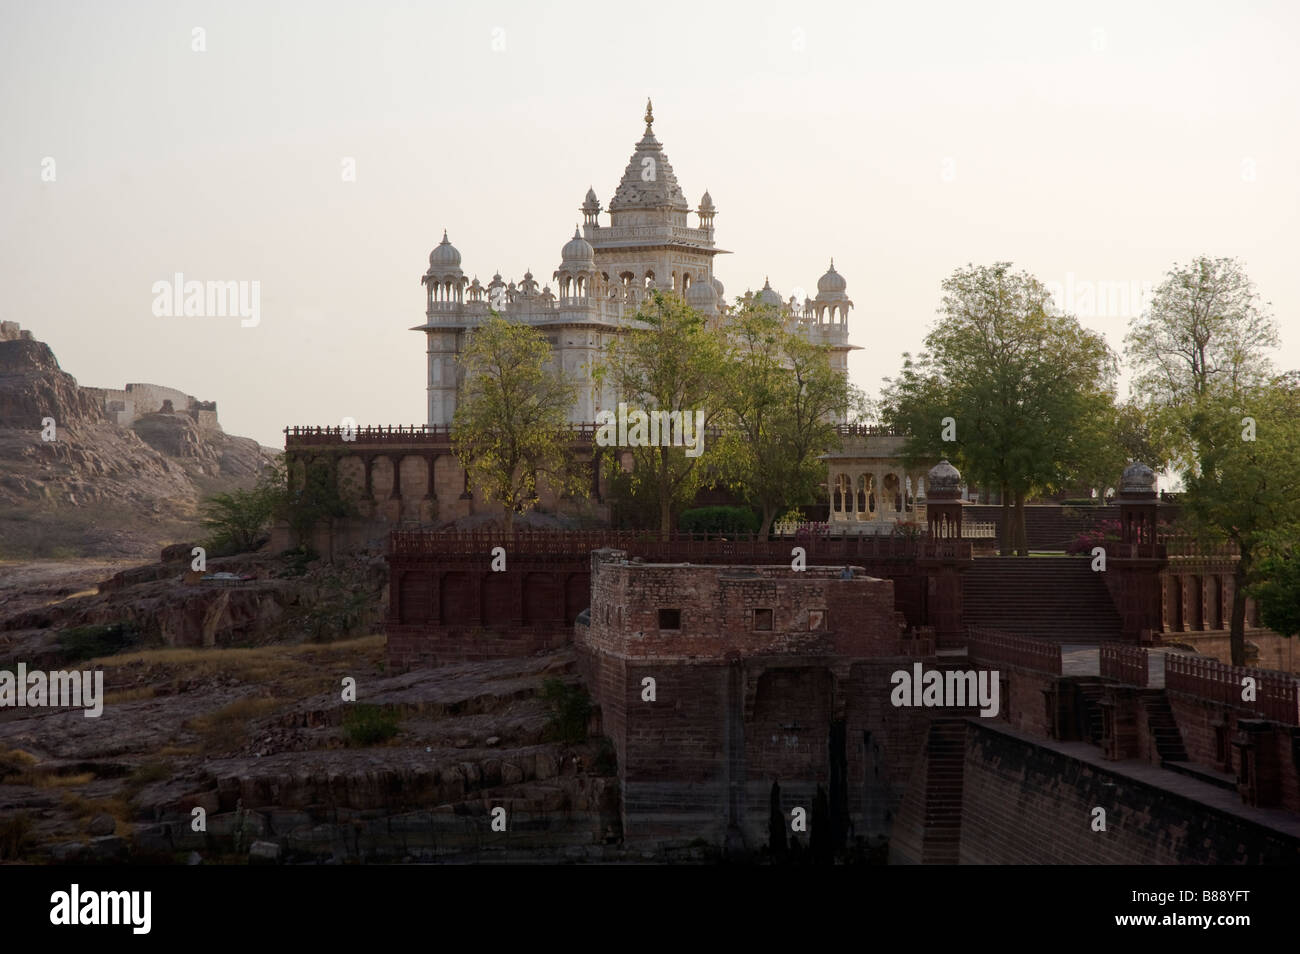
x: 98, y: 488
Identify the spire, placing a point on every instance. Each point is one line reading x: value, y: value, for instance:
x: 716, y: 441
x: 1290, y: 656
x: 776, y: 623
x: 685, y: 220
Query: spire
x: 648, y: 181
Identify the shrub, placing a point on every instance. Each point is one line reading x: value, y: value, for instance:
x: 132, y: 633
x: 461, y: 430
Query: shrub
x: 570, y: 708
x: 719, y: 520
x: 365, y: 724
x: 15, y: 762
x: 1107, y: 531
x: 907, y: 530
x: 235, y: 521
x: 810, y: 530
x: 89, y: 642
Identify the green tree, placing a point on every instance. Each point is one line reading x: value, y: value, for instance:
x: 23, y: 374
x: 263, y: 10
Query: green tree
x: 1246, y: 487
x: 1201, y: 353
x: 1278, y: 593
x: 783, y: 400
x: 308, y: 498
x: 511, y: 422
x: 1030, y: 392
x: 236, y: 520
x: 1207, y: 332
x: 668, y: 360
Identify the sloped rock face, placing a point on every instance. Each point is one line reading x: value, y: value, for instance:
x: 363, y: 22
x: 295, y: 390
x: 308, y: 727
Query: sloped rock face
x: 155, y: 602
x: 98, y: 489
x: 470, y: 774
x: 33, y: 387
x: 175, y: 435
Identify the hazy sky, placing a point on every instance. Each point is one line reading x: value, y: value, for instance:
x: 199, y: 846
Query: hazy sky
x: 1096, y: 142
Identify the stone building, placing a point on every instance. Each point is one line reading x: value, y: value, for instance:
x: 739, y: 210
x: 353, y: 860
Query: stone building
x: 753, y: 671
x: 605, y: 271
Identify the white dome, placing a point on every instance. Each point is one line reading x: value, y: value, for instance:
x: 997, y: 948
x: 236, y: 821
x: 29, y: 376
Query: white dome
x: 767, y: 295
x: 701, y: 296
x: 718, y: 289
x: 578, y: 251
x: 832, y: 282
x: 444, y: 254
x: 706, y: 202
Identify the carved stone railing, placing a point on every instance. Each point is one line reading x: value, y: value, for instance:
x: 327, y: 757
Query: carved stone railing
x: 991, y: 646
x: 1128, y: 664
x: 1277, y: 695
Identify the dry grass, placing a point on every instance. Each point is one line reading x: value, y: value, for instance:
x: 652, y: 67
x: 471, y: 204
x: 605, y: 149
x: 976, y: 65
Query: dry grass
x: 227, y: 728
x: 72, y: 596
x: 80, y: 807
x: 21, y: 768
x: 46, y: 778
x: 290, y: 671
x: 175, y: 751
x: 14, y: 762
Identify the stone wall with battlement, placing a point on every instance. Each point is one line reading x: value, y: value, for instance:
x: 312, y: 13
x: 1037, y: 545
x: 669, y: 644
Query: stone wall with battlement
x: 12, y: 331
x: 126, y: 405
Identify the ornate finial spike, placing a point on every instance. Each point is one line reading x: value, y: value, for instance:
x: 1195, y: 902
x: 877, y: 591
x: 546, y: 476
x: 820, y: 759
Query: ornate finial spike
x: 649, y: 114
x: 832, y: 263
x: 444, y: 238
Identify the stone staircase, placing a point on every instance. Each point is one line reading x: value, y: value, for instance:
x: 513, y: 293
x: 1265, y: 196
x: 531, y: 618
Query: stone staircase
x: 1056, y: 598
x: 1163, y: 726
x: 1091, y: 719
x: 1047, y: 527
x: 946, y: 753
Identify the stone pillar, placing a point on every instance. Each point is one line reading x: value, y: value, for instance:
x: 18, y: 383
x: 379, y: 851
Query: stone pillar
x: 396, y: 492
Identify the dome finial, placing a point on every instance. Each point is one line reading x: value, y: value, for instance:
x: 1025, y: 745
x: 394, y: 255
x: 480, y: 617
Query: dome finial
x: 649, y: 114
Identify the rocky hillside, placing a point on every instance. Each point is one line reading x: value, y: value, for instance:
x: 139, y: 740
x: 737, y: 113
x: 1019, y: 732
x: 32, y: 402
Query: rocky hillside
x: 99, y: 489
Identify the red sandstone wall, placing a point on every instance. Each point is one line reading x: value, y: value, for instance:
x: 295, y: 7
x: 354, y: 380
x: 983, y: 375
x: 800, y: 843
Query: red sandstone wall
x: 1024, y: 804
x: 1275, y: 652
